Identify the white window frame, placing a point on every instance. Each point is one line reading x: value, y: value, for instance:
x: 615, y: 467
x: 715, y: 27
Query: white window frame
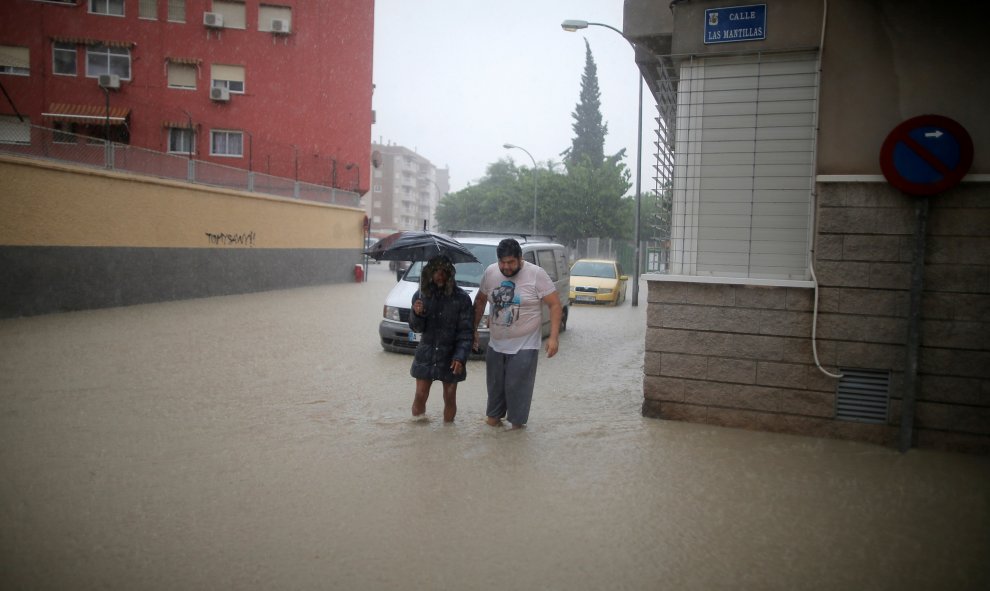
x: 181, y: 140
x: 226, y: 134
x: 112, y: 55
x: 222, y: 76
x: 743, y: 174
x: 60, y: 47
x: 106, y: 7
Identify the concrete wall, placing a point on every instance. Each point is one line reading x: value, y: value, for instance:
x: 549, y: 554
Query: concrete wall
x: 74, y: 238
x: 740, y: 355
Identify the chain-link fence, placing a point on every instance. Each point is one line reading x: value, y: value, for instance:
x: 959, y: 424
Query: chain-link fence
x: 51, y: 144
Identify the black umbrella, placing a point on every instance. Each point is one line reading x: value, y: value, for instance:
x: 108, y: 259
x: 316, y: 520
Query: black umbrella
x: 419, y: 246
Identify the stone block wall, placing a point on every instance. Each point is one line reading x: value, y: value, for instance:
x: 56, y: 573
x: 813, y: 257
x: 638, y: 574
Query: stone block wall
x: 741, y: 355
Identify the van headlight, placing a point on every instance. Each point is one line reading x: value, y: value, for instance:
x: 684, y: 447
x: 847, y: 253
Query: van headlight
x: 392, y: 313
x: 484, y: 322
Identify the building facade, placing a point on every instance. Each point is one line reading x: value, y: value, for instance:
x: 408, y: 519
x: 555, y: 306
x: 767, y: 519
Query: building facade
x: 405, y: 190
x: 278, y: 88
x: 805, y: 293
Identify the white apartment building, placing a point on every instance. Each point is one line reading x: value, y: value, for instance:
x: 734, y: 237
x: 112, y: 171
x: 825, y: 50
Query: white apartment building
x: 405, y: 190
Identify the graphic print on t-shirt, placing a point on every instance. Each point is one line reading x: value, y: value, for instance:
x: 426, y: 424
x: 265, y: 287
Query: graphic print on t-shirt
x: 505, y: 304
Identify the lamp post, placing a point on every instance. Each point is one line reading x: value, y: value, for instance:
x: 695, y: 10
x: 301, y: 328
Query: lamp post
x: 574, y: 25
x: 440, y: 194
x: 510, y: 147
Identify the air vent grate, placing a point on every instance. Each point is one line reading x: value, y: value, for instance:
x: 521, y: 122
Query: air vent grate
x: 863, y: 395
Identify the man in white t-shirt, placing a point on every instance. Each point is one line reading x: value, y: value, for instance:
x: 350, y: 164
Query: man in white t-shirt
x: 517, y: 291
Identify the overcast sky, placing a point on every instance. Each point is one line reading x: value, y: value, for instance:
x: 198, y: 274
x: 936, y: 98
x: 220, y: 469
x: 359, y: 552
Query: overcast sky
x: 456, y: 79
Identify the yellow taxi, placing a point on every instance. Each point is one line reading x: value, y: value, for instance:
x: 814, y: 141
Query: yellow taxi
x: 597, y: 281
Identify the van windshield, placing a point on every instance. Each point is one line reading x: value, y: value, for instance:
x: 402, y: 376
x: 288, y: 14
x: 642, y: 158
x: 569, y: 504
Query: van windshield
x: 468, y: 274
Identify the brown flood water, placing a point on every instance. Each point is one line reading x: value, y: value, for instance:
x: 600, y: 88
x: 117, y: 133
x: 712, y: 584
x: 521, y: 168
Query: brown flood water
x: 264, y: 442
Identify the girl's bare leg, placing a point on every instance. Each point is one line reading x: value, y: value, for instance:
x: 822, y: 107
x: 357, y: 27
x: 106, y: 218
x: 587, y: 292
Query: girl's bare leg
x: 449, y: 402
x: 422, y: 393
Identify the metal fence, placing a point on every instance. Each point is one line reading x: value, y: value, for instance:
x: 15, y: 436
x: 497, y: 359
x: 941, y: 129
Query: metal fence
x: 653, y: 253
x: 34, y: 141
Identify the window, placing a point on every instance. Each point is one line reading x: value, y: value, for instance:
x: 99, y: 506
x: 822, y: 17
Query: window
x: 227, y: 143
x: 148, y: 9
x: 107, y: 7
x: 15, y: 61
x: 229, y: 77
x: 181, y: 75
x: 177, y: 11
x: 63, y: 133
x: 64, y: 58
x: 233, y: 13
x: 743, y: 175
x: 546, y: 260
x: 101, y: 59
x: 181, y: 140
x: 266, y: 14
x: 14, y: 131
x: 378, y: 189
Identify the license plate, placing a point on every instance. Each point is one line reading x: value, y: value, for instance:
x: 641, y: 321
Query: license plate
x: 585, y: 298
x: 415, y: 337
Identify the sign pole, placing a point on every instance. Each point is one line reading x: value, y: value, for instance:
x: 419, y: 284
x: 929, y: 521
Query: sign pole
x: 922, y: 157
x: 906, y: 436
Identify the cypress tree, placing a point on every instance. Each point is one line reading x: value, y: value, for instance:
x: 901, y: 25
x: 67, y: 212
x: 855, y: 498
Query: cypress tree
x: 588, y: 144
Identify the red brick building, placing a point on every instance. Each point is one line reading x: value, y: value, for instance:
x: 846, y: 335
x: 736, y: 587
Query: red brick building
x: 281, y: 87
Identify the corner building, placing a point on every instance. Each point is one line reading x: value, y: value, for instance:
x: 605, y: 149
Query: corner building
x: 279, y: 88
x: 787, y: 306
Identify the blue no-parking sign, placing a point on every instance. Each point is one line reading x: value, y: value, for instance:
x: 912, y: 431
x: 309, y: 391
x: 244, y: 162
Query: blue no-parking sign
x: 926, y: 155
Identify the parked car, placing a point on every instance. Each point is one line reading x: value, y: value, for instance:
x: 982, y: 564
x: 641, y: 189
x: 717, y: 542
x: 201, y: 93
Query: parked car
x: 400, y: 267
x: 394, y: 327
x: 598, y: 281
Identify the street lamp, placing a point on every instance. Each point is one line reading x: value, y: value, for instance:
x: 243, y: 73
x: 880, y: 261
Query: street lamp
x: 510, y: 147
x: 573, y: 25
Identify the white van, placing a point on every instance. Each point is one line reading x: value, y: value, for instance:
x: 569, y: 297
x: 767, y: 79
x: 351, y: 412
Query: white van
x: 394, y: 327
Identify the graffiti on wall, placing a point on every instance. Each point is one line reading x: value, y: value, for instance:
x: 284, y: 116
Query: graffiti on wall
x: 225, y: 239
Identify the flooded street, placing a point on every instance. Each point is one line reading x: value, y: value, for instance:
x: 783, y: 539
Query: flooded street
x: 264, y: 441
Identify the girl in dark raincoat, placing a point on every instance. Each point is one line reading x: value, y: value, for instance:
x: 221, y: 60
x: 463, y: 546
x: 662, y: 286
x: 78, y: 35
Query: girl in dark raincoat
x: 444, y: 314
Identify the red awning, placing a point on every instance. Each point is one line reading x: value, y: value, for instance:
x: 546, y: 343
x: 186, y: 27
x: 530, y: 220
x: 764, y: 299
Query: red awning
x: 90, y: 114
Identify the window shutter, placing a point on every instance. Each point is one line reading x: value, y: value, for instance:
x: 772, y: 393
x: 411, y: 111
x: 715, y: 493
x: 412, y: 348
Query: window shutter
x: 743, y: 170
x: 182, y: 75
x: 233, y: 14
x: 15, y: 57
x: 230, y: 73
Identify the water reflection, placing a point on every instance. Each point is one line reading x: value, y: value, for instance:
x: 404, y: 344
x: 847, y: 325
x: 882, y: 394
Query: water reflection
x: 264, y: 441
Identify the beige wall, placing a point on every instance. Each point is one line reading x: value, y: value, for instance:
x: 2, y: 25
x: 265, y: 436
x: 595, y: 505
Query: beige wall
x: 886, y: 61
x: 53, y: 205
x: 75, y: 238
x: 883, y: 61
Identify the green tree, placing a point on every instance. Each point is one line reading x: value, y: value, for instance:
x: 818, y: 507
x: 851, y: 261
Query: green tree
x: 501, y: 202
x: 586, y: 201
x: 588, y: 145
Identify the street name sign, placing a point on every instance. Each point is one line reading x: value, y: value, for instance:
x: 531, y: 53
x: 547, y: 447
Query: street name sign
x: 736, y: 23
